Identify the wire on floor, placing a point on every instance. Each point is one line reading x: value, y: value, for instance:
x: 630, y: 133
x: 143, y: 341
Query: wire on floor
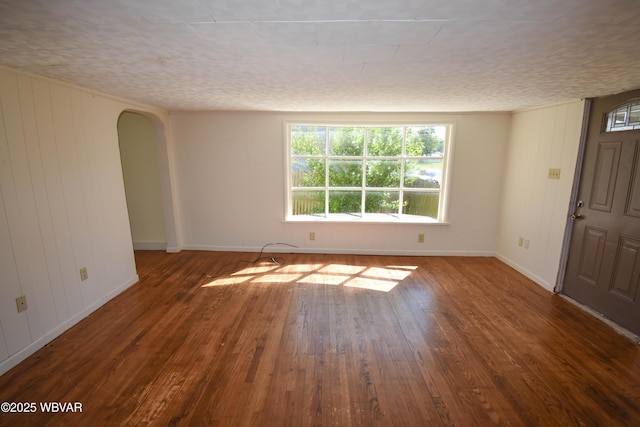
x: 225, y: 269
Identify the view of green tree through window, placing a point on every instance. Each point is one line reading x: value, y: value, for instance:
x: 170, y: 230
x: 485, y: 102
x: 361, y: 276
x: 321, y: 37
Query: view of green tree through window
x: 364, y: 171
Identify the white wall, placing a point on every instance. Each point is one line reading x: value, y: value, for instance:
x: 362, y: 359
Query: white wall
x: 62, y: 207
x: 230, y: 177
x: 533, y: 206
x: 142, y: 181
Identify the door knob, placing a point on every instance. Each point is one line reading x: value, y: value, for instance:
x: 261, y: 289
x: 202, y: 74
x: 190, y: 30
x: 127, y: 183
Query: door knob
x: 576, y: 216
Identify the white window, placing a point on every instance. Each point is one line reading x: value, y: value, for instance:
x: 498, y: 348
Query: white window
x: 387, y: 173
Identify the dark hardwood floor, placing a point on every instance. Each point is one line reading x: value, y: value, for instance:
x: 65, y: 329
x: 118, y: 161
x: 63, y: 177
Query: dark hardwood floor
x: 210, y: 338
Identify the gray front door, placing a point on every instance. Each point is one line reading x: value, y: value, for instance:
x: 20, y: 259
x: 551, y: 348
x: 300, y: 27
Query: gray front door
x: 603, y: 265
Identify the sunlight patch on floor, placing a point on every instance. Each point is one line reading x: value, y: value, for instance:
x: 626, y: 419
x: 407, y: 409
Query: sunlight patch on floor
x: 258, y: 269
x: 372, y: 284
x: 324, y: 279
x: 276, y: 278
x: 342, y: 269
x: 386, y: 273
x: 354, y: 276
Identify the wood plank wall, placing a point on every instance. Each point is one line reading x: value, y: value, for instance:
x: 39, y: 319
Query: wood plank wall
x: 62, y: 207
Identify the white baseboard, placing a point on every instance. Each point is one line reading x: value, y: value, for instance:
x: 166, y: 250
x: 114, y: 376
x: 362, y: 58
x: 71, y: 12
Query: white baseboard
x: 537, y: 279
x: 150, y: 246
x: 275, y: 248
x: 36, y: 345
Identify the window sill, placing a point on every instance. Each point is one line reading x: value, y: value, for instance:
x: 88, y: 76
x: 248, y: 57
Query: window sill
x: 367, y: 219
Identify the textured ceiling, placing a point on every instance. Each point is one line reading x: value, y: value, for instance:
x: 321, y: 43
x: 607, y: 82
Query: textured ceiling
x: 330, y: 55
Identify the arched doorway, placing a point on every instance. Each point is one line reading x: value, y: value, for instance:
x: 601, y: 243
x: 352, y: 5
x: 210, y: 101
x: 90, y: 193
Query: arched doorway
x: 145, y: 168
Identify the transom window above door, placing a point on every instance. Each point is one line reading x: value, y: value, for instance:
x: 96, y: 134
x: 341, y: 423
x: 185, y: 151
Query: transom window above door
x: 626, y: 117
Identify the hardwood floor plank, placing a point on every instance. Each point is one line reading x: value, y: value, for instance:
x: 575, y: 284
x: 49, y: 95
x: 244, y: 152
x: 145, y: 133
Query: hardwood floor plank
x: 221, y: 339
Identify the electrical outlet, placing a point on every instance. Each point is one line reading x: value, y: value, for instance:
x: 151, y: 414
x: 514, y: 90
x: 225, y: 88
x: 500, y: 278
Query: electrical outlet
x: 420, y: 237
x: 84, y: 275
x: 21, y: 303
x: 520, y: 241
x: 526, y: 244
x: 554, y: 173
x: 312, y: 235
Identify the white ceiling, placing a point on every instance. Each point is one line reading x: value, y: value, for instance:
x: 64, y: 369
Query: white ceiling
x: 330, y: 55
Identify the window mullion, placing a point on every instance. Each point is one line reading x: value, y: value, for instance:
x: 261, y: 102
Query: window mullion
x: 403, y: 156
x: 364, y: 158
x: 364, y: 189
x: 326, y: 174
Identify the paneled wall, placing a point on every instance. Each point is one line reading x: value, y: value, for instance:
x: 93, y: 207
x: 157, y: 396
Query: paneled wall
x: 534, y: 207
x: 62, y: 208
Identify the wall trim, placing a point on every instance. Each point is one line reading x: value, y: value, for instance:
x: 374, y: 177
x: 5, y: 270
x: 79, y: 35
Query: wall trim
x: 537, y: 279
x: 150, y: 246
x: 85, y: 89
x: 347, y: 251
x: 573, y: 199
x: 36, y: 345
x: 541, y: 107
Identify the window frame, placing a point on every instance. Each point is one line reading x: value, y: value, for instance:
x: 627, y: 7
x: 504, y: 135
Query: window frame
x: 383, y: 218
